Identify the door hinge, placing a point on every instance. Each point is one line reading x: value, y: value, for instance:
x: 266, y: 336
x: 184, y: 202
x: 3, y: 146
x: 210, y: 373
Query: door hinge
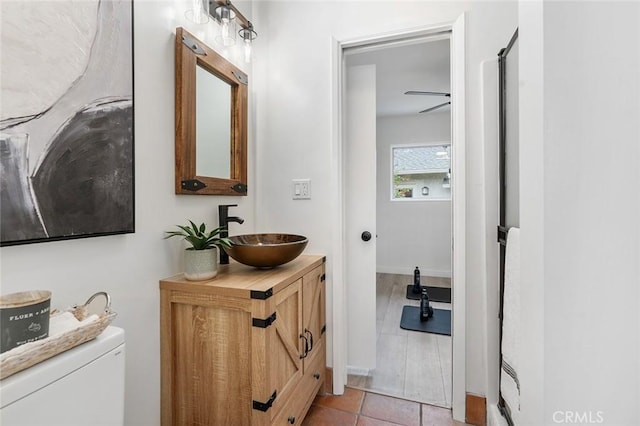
x: 323, y: 277
x: 502, y: 235
x: 264, y: 323
x: 264, y: 406
x: 262, y: 295
x: 323, y: 329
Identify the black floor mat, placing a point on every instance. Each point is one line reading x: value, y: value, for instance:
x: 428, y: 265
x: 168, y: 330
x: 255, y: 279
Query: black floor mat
x: 439, y: 323
x: 436, y: 294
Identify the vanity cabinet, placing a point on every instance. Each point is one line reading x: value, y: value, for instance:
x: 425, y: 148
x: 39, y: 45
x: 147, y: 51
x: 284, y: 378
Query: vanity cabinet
x: 245, y: 348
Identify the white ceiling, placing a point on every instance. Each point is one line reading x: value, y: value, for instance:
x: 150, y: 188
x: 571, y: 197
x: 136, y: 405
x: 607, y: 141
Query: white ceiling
x: 422, y: 66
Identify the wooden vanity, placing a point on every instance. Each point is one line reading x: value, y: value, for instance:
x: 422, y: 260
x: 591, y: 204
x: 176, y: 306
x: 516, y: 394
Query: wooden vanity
x: 245, y: 348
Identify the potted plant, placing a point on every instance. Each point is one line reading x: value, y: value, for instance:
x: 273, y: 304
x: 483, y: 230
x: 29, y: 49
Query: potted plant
x: 201, y: 259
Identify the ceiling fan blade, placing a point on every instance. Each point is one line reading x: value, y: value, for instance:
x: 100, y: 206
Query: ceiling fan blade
x: 419, y: 92
x: 435, y: 107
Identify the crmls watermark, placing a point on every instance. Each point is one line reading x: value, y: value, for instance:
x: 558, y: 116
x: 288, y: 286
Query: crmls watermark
x: 578, y: 417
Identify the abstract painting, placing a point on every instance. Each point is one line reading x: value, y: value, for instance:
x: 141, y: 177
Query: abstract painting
x: 66, y: 120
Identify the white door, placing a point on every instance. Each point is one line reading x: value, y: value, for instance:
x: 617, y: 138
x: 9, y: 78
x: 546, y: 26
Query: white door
x: 360, y: 215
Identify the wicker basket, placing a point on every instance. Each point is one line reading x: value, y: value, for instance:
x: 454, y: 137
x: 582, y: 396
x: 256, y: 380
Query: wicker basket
x: 29, y: 354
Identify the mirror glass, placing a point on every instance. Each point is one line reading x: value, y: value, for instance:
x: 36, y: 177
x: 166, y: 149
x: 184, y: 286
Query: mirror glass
x: 213, y: 125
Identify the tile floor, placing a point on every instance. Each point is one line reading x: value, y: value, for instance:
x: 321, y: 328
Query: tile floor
x: 410, y: 364
x: 360, y: 408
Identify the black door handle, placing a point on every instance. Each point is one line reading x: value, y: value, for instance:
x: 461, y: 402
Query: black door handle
x: 306, y: 346
x: 366, y: 236
x: 310, y: 338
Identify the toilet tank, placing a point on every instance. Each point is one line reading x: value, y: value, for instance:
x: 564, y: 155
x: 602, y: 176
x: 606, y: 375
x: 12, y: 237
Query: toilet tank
x: 82, y: 386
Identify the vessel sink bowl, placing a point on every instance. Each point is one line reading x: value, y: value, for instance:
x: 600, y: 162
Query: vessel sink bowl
x: 266, y: 250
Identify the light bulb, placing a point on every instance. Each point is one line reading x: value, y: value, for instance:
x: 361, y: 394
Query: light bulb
x: 225, y: 29
x: 198, y: 12
x: 247, y: 34
x: 226, y: 18
x: 247, y: 50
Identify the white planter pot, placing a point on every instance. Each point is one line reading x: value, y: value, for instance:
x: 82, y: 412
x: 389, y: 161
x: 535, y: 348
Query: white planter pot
x: 200, y: 264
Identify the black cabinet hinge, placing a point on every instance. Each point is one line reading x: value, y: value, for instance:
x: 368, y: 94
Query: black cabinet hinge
x: 262, y: 295
x: 323, y: 277
x: 264, y: 323
x: 264, y: 406
x: 323, y: 329
x: 324, y: 259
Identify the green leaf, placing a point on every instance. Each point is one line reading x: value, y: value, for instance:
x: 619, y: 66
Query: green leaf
x: 198, y: 236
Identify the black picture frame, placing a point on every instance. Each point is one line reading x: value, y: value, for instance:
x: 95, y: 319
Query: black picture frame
x: 68, y: 170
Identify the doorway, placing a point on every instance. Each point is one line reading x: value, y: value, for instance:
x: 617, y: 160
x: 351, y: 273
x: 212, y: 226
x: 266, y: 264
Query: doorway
x: 399, y: 143
x: 342, y: 263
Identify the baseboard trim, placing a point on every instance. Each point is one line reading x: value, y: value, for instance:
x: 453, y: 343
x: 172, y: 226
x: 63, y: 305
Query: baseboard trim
x: 328, y: 381
x: 357, y: 371
x: 409, y: 271
x: 476, y: 410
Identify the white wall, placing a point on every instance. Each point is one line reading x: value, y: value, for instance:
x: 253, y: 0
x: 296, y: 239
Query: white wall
x: 293, y: 80
x: 128, y: 267
x: 411, y: 233
x: 580, y: 245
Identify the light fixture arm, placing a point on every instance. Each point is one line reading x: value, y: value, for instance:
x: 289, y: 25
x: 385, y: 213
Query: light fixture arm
x: 244, y: 22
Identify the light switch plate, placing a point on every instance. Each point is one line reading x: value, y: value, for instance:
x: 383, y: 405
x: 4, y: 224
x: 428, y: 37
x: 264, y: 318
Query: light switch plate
x: 301, y: 189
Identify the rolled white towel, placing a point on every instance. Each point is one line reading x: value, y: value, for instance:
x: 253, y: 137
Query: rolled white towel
x: 62, y: 323
x: 511, y: 297
x: 58, y: 325
x: 509, y: 382
x: 89, y: 320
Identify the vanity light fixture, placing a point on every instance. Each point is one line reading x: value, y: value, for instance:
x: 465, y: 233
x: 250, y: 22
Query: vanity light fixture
x: 199, y: 12
x: 248, y: 35
x: 226, y: 15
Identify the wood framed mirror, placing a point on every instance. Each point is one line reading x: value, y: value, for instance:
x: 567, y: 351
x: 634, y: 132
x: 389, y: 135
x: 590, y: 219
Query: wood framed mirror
x: 211, y: 121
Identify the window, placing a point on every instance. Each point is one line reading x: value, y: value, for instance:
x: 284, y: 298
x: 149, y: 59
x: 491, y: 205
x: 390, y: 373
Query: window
x: 421, y: 172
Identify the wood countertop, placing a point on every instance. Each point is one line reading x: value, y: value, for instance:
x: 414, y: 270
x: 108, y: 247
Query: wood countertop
x: 238, y: 280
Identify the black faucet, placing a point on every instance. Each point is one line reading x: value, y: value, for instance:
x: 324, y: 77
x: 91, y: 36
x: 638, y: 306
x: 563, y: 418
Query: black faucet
x: 224, y: 220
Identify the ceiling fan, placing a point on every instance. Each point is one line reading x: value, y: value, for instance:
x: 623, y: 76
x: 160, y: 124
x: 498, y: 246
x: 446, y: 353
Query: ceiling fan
x: 420, y: 92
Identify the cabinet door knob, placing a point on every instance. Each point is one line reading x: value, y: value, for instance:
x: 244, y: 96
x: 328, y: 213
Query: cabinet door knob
x: 291, y: 419
x: 316, y: 375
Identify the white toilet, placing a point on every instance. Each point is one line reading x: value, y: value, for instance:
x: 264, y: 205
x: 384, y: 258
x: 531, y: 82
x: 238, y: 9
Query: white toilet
x: 82, y: 386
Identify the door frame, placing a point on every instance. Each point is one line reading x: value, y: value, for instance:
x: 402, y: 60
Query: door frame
x: 458, y: 201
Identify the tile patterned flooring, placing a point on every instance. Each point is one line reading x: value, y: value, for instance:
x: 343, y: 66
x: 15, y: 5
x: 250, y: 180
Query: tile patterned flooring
x: 360, y: 408
x: 410, y: 364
